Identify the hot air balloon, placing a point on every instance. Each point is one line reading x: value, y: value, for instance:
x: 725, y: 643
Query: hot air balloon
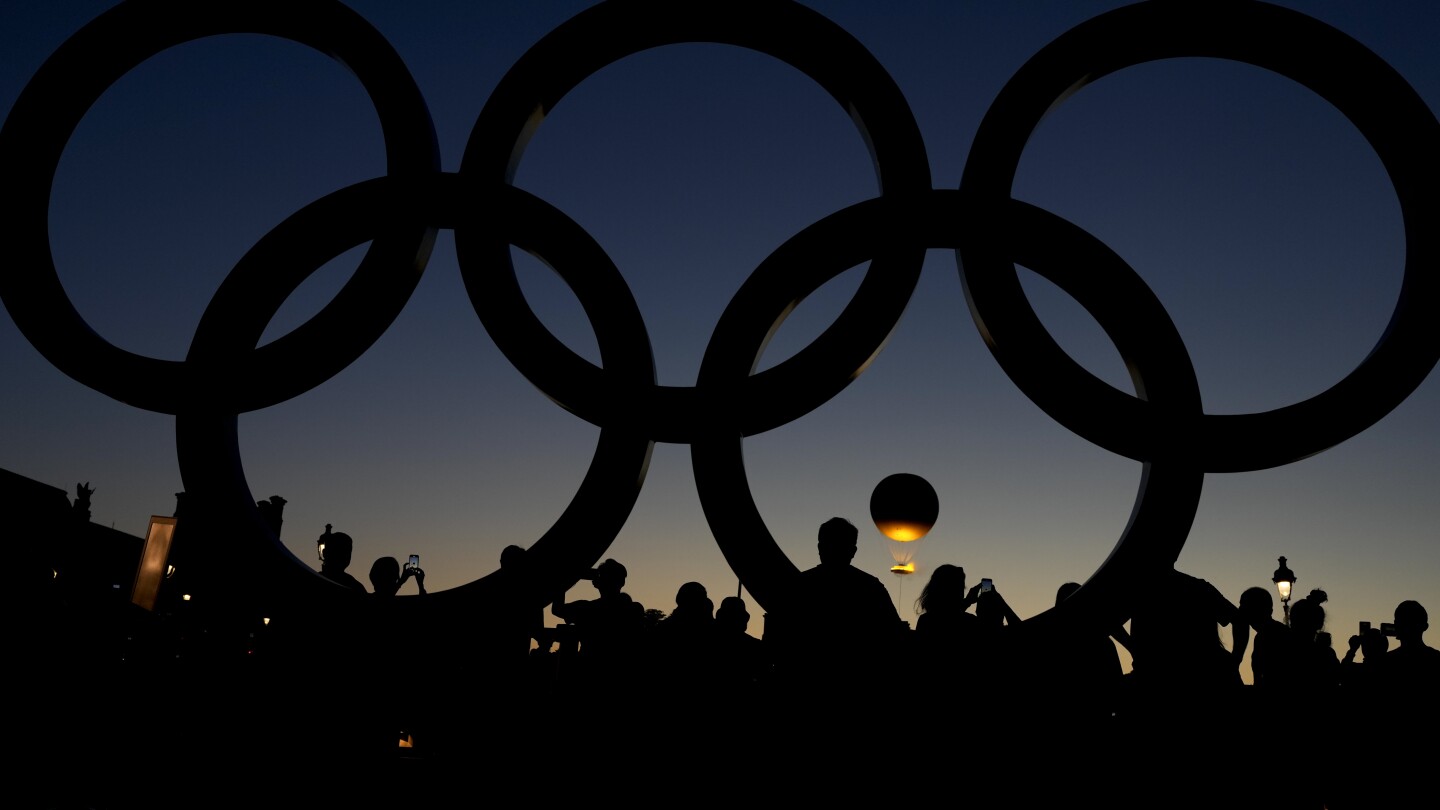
x: 904, y: 507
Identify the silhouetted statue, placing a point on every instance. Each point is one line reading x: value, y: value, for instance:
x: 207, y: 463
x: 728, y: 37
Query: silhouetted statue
x: 336, y: 549
x: 272, y: 511
x: 839, y: 626
x: 81, y: 507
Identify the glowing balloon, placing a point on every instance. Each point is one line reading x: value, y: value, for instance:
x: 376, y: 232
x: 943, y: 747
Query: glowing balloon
x: 904, y: 507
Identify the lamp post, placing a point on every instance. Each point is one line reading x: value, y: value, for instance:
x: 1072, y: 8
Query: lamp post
x: 1284, y: 580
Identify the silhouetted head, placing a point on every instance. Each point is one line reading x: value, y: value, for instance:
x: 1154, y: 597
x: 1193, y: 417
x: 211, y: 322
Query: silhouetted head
x: 610, y: 577
x: 690, y: 594
x: 338, y: 550
x: 1306, y: 616
x: 1063, y: 592
x: 385, y: 576
x: 1411, y: 620
x: 837, y: 543
x: 1256, y: 605
x: 513, y: 558
x: 733, y: 615
x: 946, y: 589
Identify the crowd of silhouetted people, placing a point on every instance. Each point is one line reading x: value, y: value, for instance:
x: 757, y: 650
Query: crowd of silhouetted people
x: 833, y: 665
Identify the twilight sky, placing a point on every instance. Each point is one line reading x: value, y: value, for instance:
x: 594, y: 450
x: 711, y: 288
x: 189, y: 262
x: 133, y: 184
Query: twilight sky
x: 1253, y: 209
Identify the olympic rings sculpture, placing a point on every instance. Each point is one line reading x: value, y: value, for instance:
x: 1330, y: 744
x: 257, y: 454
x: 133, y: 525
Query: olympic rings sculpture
x: 1163, y: 425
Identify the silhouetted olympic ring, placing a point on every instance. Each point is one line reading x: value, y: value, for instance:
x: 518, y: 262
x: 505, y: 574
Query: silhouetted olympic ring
x: 74, y: 77
x: 608, y: 32
x: 208, y: 444
x: 1166, y: 428
x: 1386, y: 110
x: 1078, y: 263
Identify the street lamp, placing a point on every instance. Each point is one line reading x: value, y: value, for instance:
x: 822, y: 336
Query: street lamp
x: 1284, y: 580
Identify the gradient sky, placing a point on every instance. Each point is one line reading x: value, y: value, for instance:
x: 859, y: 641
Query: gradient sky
x: 1254, y: 210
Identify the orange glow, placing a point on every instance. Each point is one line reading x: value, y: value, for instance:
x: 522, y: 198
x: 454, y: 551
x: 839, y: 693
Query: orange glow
x: 907, y: 568
x: 153, y: 566
x: 903, y: 531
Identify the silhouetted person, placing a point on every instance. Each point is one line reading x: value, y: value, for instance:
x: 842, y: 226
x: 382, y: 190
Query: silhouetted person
x: 1080, y: 677
x: 516, y: 615
x: 1317, y: 670
x: 396, y: 662
x: 386, y: 577
x: 1272, y: 652
x: 946, y: 637
x: 1400, y: 730
x: 609, y: 630
x: 839, y: 627
x: 742, y: 660
x: 1412, y: 670
x: 336, y: 550
x: 1364, y: 679
x: 1179, y: 659
x: 683, y: 640
x: 943, y: 606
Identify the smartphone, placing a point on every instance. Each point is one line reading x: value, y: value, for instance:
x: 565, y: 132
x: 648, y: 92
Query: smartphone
x: 1387, y: 628
x: 1364, y: 628
x: 414, y: 561
x: 986, y: 585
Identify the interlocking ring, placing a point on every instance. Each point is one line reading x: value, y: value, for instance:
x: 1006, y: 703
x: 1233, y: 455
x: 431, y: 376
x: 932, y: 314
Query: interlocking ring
x: 1386, y: 110
x: 1164, y: 425
x: 208, y: 442
x: 607, y: 32
x: 73, y: 78
x: 1073, y: 260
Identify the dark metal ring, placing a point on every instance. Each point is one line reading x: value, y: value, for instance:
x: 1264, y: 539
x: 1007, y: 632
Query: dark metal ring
x: 207, y: 440
x: 1079, y: 264
x: 75, y: 76
x: 1386, y: 110
x: 604, y: 34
